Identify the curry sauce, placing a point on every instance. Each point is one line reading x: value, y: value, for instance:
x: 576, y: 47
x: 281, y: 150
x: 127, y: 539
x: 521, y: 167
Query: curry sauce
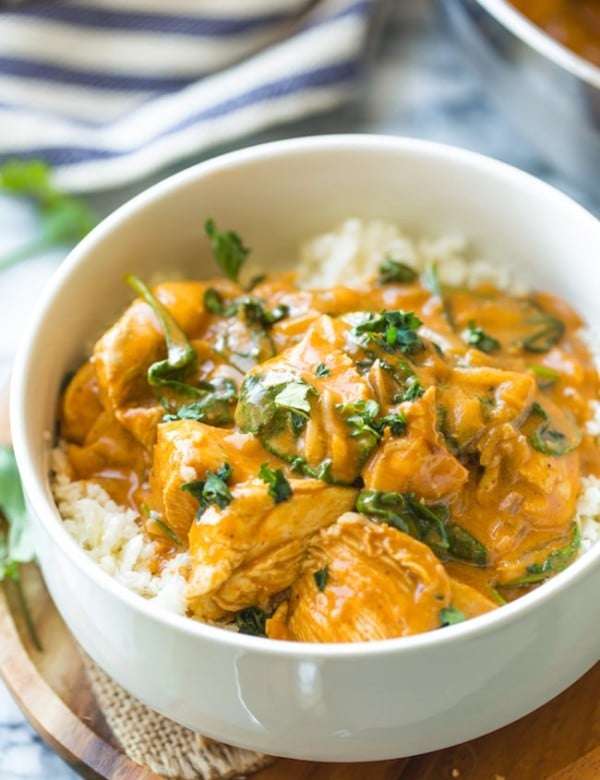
x: 573, y: 23
x: 361, y: 462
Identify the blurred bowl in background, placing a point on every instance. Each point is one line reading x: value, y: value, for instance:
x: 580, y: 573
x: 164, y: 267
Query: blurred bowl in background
x: 548, y: 91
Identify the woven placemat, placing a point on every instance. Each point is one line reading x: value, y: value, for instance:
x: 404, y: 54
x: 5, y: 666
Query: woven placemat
x: 162, y: 746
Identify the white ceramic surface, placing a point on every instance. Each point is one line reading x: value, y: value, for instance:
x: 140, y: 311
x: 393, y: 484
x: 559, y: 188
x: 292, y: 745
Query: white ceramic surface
x: 325, y: 702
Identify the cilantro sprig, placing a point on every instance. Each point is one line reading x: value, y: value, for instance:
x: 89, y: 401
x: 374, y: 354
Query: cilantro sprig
x: 391, y: 330
x: 279, y: 488
x: 211, y: 491
x: 476, y: 337
x: 64, y: 219
x: 228, y: 250
x: 16, y: 543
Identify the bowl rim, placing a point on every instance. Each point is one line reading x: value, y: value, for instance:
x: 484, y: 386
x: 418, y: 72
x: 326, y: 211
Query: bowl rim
x: 524, y: 29
x: 39, y: 495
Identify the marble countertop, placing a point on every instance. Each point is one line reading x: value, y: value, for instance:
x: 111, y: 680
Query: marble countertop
x: 418, y: 85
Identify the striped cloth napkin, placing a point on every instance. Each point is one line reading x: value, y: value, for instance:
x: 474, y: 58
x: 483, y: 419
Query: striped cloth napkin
x: 110, y: 91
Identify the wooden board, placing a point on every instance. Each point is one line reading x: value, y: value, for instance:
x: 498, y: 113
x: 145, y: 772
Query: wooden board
x: 560, y: 740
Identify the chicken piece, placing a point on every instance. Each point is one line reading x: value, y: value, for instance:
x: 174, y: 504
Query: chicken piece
x: 318, y: 379
x: 127, y: 350
x: 112, y: 458
x: 80, y: 405
x: 246, y: 553
x: 418, y: 462
x: 185, y: 450
x: 474, y: 399
x: 362, y: 581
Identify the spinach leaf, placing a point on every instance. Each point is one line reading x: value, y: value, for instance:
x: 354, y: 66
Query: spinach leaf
x: 549, y: 332
x: 215, y: 407
x: 554, y: 563
x: 394, y: 271
x: 181, y: 356
x: 547, y: 440
x: 228, y: 250
x: 431, y: 280
x: 429, y: 523
x: 251, y: 620
x: 545, y: 377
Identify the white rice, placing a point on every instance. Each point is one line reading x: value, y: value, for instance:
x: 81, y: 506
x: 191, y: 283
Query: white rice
x: 110, y: 533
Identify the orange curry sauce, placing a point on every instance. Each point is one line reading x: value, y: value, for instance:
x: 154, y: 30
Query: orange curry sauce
x: 574, y: 23
x: 432, y: 465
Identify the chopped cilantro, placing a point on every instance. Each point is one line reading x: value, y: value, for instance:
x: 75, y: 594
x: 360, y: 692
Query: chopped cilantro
x: 279, y: 488
x: 212, y: 490
x: 394, y: 271
x: 449, y: 616
x: 547, y: 440
x: 478, y: 338
x: 391, y: 330
x: 321, y: 577
x: 294, y: 397
x: 251, y: 620
x: 322, y: 370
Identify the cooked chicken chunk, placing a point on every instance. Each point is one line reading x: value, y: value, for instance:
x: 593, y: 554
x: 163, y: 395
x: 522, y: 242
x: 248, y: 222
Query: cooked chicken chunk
x: 185, y: 451
x: 246, y: 553
x: 363, y: 581
x: 418, y: 462
x: 125, y: 353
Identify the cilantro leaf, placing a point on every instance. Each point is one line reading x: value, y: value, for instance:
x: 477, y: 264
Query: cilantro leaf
x: 394, y: 271
x: 212, y: 490
x: 391, y: 330
x: 321, y: 577
x: 63, y: 218
x: 294, y: 397
x: 322, y: 370
x: 478, y: 338
x: 251, y: 620
x: 228, y: 250
x: 449, y: 616
x: 279, y: 488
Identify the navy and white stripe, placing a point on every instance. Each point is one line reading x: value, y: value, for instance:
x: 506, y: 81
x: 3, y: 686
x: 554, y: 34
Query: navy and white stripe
x: 109, y: 91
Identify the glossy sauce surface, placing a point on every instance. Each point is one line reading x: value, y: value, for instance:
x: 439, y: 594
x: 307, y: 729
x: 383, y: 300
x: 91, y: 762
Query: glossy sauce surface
x: 432, y: 444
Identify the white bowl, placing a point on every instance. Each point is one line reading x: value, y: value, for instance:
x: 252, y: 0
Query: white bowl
x: 351, y: 702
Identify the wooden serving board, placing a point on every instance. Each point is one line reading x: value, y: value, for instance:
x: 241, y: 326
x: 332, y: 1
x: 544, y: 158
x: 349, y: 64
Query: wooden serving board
x: 560, y: 741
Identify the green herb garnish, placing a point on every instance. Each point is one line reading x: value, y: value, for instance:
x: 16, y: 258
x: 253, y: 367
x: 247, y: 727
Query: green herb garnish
x: 215, y: 407
x: 212, y: 490
x: 429, y: 523
x: 321, y: 577
x: 545, y: 439
x: 279, y: 488
x: 181, y: 356
x: 252, y: 620
x: 413, y: 390
x: 478, y: 338
x: 394, y: 271
x: 166, y: 528
x: 16, y: 545
x: 294, y: 397
x: 228, y: 250
x: 554, y: 563
x: 213, y: 301
x: 431, y: 280
x: 549, y: 334
x: 545, y: 377
x: 322, y: 370
x: 391, y: 330
x: 64, y: 219
x: 449, y: 616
